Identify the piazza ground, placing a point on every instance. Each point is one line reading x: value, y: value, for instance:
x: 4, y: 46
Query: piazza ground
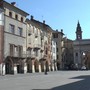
x: 58, y: 80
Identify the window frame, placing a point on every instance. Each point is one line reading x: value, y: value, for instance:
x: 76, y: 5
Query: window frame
x: 21, y: 19
x: 20, y: 31
x: 12, y: 28
x: 10, y: 13
x: 16, y: 16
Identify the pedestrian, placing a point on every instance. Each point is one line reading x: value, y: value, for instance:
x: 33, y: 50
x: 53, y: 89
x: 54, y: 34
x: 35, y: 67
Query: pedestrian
x: 46, y: 72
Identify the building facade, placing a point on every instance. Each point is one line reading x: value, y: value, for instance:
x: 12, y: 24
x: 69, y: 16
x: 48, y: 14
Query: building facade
x: 81, y: 49
x: 14, y: 39
x: 54, y: 64
x: 27, y: 45
x: 38, y: 45
x: 67, y: 54
x: 2, y: 66
x: 58, y: 37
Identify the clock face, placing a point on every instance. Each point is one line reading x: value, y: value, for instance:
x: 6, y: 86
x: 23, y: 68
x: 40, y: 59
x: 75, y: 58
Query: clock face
x: 79, y: 36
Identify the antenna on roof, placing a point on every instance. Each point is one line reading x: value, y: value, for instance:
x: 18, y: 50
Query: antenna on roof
x: 42, y: 17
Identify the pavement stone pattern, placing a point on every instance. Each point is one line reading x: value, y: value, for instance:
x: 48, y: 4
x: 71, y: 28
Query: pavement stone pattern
x: 57, y: 80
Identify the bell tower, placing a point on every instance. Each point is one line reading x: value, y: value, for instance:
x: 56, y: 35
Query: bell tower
x: 78, y: 32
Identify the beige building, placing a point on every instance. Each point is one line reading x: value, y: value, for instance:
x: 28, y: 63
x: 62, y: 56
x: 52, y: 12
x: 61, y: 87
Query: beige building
x: 54, y: 54
x: 38, y: 46
x: 14, y: 39
x: 67, y: 54
x: 58, y: 37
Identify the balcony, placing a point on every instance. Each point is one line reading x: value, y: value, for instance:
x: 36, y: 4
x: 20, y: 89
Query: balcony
x: 42, y: 49
x: 29, y: 33
x: 18, y: 55
x: 29, y: 46
x: 37, y: 46
x: 42, y: 36
x: 43, y: 58
x: 32, y: 56
x: 36, y: 35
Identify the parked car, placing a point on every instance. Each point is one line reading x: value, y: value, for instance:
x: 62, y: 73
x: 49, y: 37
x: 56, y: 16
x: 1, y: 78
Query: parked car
x: 83, y: 68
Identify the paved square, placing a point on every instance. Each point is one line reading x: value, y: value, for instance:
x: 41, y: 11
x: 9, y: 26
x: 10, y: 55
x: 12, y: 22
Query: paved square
x: 58, y: 80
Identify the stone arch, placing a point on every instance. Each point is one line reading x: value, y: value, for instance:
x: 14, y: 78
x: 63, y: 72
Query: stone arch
x: 58, y: 65
x: 20, y: 66
x: 87, y: 60
x: 42, y: 66
x: 29, y: 65
x: 36, y: 65
x: 9, y: 65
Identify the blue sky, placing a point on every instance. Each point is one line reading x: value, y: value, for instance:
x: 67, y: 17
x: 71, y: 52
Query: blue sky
x: 60, y: 14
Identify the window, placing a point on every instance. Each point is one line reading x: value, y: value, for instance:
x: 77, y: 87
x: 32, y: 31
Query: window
x: 11, y: 50
x: 15, y: 48
x: 55, y: 35
x: 36, y: 53
x: 20, y: 50
x: 10, y: 14
x: 16, y: 17
x: 77, y: 54
x: 30, y: 52
x: 12, y: 28
x: 54, y: 43
x: 46, y: 52
x: 57, y: 56
x: 20, y: 31
x: 57, y: 49
x: 53, y: 50
x: 21, y: 19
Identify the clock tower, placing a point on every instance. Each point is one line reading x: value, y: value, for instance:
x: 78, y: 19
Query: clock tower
x: 78, y: 32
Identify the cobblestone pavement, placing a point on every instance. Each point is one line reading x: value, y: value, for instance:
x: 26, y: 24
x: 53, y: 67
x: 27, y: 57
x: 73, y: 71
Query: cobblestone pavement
x: 58, y: 80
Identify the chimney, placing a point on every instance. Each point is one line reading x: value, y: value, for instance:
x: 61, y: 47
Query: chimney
x: 31, y: 17
x: 43, y: 21
x: 61, y: 30
x: 13, y: 3
x: 57, y: 30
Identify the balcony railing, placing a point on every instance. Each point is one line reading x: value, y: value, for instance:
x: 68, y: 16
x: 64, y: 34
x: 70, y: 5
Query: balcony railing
x: 36, y: 35
x: 29, y: 32
x: 42, y: 36
x: 37, y: 46
x: 32, y: 56
x: 29, y: 46
x: 43, y: 57
x: 17, y: 54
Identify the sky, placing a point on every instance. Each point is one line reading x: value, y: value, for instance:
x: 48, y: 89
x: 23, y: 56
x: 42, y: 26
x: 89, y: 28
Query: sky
x: 60, y: 14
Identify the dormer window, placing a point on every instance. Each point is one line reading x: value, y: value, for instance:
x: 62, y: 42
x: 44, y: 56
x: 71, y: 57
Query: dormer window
x: 10, y: 14
x: 16, y: 17
x: 21, y: 19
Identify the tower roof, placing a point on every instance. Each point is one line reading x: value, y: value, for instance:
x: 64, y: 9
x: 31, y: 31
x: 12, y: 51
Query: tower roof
x: 78, y: 24
x: 78, y: 31
x: 78, y: 28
